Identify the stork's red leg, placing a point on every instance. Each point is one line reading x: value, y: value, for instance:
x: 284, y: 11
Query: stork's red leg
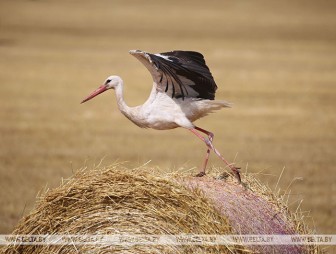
x: 209, y: 144
x: 210, y: 136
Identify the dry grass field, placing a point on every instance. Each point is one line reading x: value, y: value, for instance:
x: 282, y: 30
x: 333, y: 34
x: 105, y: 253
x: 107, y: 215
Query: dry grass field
x: 275, y: 60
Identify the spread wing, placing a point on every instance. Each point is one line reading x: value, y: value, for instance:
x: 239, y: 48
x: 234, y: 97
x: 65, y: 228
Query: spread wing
x: 179, y: 73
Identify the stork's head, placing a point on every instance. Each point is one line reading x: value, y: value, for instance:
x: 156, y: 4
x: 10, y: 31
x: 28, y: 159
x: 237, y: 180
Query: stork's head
x: 110, y: 83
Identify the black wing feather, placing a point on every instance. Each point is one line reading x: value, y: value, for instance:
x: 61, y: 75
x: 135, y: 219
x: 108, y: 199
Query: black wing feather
x: 190, y: 65
x: 180, y: 73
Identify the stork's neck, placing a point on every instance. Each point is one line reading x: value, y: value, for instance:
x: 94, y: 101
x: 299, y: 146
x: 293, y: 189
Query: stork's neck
x: 119, y: 91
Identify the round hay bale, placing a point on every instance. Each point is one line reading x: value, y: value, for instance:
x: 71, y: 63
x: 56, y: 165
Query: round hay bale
x: 117, y: 200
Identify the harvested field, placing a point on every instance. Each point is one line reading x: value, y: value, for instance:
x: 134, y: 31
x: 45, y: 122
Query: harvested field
x: 274, y: 60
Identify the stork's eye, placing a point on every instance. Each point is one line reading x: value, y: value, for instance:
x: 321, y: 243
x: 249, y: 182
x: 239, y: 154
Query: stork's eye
x: 108, y: 81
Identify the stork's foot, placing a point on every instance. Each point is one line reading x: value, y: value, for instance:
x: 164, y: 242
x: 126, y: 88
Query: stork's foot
x: 236, y: 173
x: 200, y: 174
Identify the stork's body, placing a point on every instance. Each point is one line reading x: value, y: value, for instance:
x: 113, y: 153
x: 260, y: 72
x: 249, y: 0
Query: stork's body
x: 183, y: 91
x: 162, y: 112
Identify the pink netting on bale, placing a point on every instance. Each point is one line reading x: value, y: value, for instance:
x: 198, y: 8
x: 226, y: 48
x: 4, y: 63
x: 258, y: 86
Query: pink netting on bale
x: 251, y: 209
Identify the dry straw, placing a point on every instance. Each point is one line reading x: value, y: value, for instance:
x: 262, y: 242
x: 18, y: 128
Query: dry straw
x: 116, y: 200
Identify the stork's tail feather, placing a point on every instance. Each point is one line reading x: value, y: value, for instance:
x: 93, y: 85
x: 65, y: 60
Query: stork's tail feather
x: 221, y: 104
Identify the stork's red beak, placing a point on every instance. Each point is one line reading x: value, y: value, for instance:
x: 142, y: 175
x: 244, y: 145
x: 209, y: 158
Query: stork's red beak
x: 99, y: 90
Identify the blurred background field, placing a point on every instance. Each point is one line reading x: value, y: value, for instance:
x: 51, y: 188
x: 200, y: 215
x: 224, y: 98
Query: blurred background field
x: 275, y: 60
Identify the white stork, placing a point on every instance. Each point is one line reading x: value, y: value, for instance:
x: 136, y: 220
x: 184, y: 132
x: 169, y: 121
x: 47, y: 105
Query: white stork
x: 183, y: 91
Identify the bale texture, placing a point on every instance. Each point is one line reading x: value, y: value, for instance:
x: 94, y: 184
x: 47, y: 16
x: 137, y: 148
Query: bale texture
x: 117, y: 200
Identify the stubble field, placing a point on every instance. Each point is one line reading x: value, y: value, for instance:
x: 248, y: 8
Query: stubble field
x: 274, y: 60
